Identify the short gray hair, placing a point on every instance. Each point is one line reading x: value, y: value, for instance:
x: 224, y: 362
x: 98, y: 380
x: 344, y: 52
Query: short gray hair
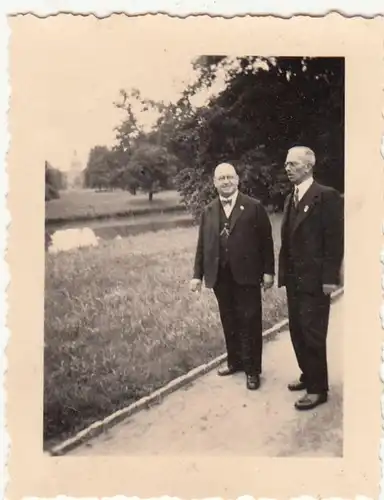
x: 308, y: 154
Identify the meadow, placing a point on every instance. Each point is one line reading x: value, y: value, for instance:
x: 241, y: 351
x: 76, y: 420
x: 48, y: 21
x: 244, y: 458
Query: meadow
x: 83, y: 204
x: 121, y: 322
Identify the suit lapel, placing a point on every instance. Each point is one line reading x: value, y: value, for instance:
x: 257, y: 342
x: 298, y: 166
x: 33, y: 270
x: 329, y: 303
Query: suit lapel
x: 306, y: 204
x: 215, y: 219
x: 238, y: 209
x: 286, y: 211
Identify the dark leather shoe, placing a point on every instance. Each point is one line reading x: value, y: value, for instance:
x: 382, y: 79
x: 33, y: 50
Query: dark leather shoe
x: 297, y: 386
x: 228, y: 370
x: 310, y: 401
x: 253, y: 382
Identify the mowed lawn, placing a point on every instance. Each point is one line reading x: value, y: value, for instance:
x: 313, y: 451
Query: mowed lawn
x: 121, y: 322
x: 87, y: 203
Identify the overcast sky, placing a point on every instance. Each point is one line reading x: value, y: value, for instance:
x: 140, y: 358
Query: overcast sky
x: 73, y: 73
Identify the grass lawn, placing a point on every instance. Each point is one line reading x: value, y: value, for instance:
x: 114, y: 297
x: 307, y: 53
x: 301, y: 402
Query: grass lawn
x: 87, y: 203
x: 120, y: 322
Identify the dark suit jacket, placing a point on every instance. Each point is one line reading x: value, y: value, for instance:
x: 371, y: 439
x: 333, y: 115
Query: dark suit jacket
x: 317, y: 240
x: 250, y: 243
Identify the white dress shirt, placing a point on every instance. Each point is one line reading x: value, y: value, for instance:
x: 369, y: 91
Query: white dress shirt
x: 228, y: 208
x: 303, y: 187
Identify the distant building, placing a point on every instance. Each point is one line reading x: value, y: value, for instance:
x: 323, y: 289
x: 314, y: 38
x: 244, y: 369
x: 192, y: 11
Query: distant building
x: 75, y: 175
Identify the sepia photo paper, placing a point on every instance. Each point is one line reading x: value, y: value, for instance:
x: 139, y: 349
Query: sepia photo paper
x: 169, y: 180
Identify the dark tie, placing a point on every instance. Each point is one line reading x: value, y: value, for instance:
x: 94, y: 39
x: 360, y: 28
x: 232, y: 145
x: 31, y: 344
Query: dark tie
x: 226, y: 202
x: 296, y: 197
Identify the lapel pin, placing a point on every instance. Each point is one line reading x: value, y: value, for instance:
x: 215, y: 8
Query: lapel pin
x: 306, y: 208
x: 241, y: 207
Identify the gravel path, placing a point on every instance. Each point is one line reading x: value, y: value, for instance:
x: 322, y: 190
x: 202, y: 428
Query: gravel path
x: 218, y: 416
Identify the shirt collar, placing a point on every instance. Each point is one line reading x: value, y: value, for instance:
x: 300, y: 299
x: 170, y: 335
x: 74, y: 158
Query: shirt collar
x: 233, y: 197
x: 305, y: 185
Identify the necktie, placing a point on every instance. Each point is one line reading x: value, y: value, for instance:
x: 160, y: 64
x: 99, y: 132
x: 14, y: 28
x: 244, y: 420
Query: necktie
x: 296, y: 197
x: 226, y: 203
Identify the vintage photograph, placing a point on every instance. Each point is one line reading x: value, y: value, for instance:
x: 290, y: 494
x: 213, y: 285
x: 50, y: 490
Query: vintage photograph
x: 195, y: 256
x: 210, y: 212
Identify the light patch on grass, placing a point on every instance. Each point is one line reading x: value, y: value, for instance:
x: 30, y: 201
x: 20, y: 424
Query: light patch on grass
x: 67, y: 239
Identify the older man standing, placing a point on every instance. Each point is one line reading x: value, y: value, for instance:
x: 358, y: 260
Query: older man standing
x: 310, y: 259
x: 235, y: 257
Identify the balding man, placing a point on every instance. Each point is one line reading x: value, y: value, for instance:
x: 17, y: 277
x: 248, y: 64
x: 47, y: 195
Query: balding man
x: 310, y: 259
x: 235, y: 257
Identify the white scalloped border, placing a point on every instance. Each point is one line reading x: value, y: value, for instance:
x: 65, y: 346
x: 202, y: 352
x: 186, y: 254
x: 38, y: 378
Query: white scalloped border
x: 225, y: 8
x: 5, y: 220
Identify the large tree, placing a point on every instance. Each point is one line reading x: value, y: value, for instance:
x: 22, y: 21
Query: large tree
x: 267, y: 106
x: 141, y: 157
x: 153, y: 167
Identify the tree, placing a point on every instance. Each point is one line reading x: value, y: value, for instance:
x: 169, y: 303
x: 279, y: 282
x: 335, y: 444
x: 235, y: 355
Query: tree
x: 121, y: 177
x: 54, y: 182
x: 141, y: 158
x: 152, y: 167
x: 98, y: 172
x: 268, y: 105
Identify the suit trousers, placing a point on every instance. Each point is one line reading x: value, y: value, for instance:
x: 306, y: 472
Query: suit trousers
x: 241, y: 317
x: 308, y: 324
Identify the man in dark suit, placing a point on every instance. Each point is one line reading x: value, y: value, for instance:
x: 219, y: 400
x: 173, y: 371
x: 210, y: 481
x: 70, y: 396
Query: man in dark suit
x: 235, y: 257
x: 310, y: 259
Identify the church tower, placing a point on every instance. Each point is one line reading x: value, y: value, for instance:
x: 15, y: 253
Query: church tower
x: 75, y: 173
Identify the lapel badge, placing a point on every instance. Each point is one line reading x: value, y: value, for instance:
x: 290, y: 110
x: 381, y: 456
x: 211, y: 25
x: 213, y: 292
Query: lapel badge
x: 306, y: 208
x: 241, y: 207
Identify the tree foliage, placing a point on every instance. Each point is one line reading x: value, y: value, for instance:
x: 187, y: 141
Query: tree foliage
x: 152, y: 166
x: 98, y: 173
x: 268, y: 105
x: 55, y: 181
x: 141, y: 158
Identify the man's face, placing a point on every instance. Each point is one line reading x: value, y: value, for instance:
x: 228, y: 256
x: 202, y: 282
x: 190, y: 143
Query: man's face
x: 297, y: 167
x: 226, y: 180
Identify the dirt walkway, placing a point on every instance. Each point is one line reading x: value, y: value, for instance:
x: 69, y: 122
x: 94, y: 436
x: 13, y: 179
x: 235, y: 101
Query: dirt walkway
x: 218, y: 415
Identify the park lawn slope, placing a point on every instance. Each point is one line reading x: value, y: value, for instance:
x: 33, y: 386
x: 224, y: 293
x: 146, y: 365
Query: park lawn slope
x: 87, y: 204
x: 120, y: 323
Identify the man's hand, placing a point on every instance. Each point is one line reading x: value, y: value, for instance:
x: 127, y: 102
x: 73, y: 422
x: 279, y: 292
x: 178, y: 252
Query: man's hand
x: 328, y: 289
x: 268, y: 280
x: 195, y: 285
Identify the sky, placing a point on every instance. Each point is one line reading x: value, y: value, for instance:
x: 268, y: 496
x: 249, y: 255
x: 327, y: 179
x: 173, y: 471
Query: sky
x: 68, y: 73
